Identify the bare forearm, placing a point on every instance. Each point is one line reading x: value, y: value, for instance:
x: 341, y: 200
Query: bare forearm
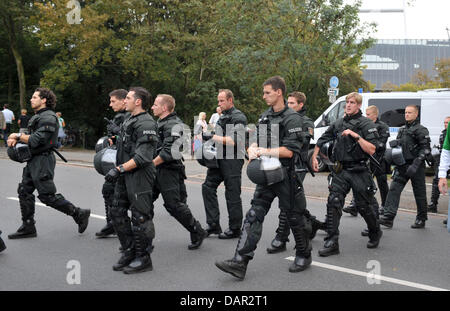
x: 129, y: 165
x: 224, y: 140
x: 367, y: 147
x: 158, y: 160
x: 281, y: 152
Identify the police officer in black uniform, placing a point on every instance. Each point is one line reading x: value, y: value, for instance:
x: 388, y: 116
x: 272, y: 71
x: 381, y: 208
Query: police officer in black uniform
x: 279, y: 118
x: 40, y: 169
x: 229, y: 140
x: 170, y: 168
x: 296, y: 101
x: 414, y: 139
x: 117, y: 103
x: 378, y: 170
x: 355, y: 138
x: 134, y: 177
x: 432, y: 207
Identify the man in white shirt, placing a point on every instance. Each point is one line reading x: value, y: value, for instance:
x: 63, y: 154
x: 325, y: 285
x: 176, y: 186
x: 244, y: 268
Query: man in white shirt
x: 9, y: 117
x: 215, y: 117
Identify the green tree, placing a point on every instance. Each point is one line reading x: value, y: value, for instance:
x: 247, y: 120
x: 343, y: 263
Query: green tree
x: 304, y: 41
x: 14, y: 17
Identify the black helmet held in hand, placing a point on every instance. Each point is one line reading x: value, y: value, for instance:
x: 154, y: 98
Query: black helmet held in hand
x: 102, y: 143
x: 19, y: 153
x: 265, y: 171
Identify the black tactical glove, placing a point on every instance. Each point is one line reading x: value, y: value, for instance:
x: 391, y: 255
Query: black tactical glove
x: 112, y: 175
x: 113, y: 129
x: 412, y: 169
x: 207, y: 136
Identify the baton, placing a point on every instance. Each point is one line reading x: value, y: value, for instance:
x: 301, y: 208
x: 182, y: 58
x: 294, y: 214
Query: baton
x: 59, y: 155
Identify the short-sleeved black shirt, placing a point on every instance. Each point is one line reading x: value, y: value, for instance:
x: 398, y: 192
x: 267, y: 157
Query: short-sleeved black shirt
x: 24, y: 121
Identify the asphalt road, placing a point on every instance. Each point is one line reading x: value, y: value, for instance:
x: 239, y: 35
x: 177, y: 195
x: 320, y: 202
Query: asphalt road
x: 406, y: 259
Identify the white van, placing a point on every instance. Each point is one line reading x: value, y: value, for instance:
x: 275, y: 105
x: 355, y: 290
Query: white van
x: 434, y: 108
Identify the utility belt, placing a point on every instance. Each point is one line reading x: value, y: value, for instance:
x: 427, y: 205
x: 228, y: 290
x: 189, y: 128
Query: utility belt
x: 172, y: 165
x: 355, y: 165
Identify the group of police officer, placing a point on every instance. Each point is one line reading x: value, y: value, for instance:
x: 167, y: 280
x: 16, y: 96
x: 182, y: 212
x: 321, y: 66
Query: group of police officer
x: 147, y: 162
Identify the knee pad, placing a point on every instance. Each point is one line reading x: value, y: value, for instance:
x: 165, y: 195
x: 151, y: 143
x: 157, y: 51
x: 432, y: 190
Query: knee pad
x: 143, y: 223
x: 335, y: 201
x: 107, y: 190
x: 259, y: 201
x: 398, y: 178
x: 255, y: 214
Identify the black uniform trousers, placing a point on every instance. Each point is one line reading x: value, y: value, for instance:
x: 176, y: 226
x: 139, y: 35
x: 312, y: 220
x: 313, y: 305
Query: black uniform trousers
x: 262, y: 200
x: 360, y: 181
x: 38, y: 175
x: 133, y: 191
x: 229, y: 172
x: 435, y: 187
x: 108, y: 197
x: 399, y: 180
x: 283, y: 229
x: 170, y: 184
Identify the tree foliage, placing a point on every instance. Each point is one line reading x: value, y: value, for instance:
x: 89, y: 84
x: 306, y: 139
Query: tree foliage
x: 190, y: 49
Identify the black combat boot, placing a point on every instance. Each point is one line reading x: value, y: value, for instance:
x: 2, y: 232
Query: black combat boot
x: 142, y: 262
x: 127, y: 257
x: 374, y: 239
x: 432, y: 207
x: 213, y: 229
x: 303, y: 247
x: 106, y: 231
x: 331, y: 247
x: 300, y: 263
x: 230, y: 234
x: 387, y: 221
x: 81, y: 217
x: 418, y: 224
x: 109, y: 228
x: 277, y: 245
x: 2, y: 244
x: 197, y: 236
x: 26, y: 230
x: 351, y: 208
x: 237, y: 266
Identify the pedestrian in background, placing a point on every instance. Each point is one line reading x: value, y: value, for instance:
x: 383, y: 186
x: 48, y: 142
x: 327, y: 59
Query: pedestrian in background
x: 444, y: 166
x: 215, y: 117
x: 23, y: 121
x: 2, y: 125
x: 61, y: 133
x: 432, y: 207
x: 9, y: 117
x: 200, y: 127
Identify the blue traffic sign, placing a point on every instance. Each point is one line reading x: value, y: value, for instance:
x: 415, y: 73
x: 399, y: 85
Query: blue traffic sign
x: 334, y: 82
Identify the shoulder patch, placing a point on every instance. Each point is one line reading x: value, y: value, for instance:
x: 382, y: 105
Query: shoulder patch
x: 148, y: 132
x: 295, y: 130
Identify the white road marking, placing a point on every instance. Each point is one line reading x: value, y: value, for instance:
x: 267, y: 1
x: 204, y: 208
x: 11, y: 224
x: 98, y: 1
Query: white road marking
x: 379, y: 277
x: 40, y: 204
